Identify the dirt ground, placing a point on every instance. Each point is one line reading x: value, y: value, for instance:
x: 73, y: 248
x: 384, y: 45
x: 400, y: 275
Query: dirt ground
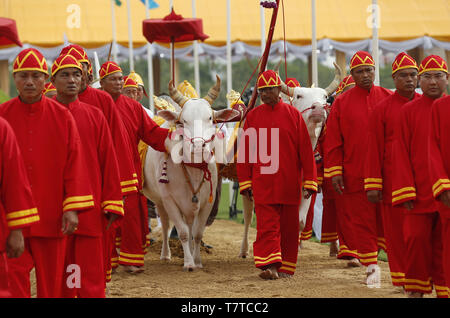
x: 225, y: 275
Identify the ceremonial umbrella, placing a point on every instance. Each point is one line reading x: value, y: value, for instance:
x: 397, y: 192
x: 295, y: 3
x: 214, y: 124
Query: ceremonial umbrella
x: 171, y: 29
x: 8, y: 32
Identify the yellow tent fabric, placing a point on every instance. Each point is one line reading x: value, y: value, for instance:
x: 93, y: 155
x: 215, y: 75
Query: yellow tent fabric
x: 88, y: 22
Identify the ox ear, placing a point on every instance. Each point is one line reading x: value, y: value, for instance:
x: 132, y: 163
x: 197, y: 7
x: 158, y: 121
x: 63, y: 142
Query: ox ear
x: 168, y: 115
x: 224, y: 115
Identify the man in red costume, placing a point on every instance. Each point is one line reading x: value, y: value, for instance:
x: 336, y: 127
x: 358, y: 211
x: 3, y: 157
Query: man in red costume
x: 412, y: 186
x: 51, y: 148
x: 345, y: 152
x: 85, y: 247
x: 138, y: 126
x: 105, y: 103
x: 130, y: 88
x: 329, y: 213
x: 439, y: 162
x: 17, y: 208
x: 378, y: 164
x: 276, y: 130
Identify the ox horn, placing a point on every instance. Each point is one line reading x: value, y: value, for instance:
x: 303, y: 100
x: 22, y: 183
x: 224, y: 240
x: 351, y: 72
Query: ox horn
x: 330, y: 89
x: 175, y: 94
x: 213, y: 92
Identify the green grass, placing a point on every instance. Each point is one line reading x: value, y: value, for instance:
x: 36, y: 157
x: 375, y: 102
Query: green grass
x: 224, y: 214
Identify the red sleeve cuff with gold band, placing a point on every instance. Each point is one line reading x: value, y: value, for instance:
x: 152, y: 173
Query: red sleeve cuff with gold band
x: 245, y: 185
x: 310, y: 184
x: 440, y: 186
x: 129, y: 186
x: 112, y: 206
x: 23, y: 218
x: 373, y: 184
x: 403, y: 195
x: 332, y: 171
x: 78, y: 203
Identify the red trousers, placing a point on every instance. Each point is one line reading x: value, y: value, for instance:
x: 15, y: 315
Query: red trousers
x: 446, y: 254
x: 361, y: 228
x: 84, y: 275
x: 133, y: 231
x: 47, y: 256
x: 393, y: 231
x: 423, y: 253
x: 277, y: 232
x: 306, y: 234
x: 329, y: 227
x: 4, y: 283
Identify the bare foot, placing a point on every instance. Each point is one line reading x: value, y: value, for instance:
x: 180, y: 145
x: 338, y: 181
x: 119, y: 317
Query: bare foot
x: 269, y: 273
x: 334, y: 249
x: 373, y: 276
x: 133, y: 269
x: 354, y: 262
x: 284, y: 275
x: 414, y: 295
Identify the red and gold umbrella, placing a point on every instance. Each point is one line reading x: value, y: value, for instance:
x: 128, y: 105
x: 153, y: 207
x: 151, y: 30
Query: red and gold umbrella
x: 173, y: 28
x: 8, y: 33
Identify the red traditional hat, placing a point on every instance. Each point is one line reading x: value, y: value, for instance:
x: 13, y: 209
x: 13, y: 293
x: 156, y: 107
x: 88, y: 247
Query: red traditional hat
x: 48, y: 88
x: 402, y: 61
x: 361, y: 58
x: 30, y: 60
x: 77, y: 52
x: 65, y: 61
x: 109, y: 68
x: 269, y: 79
x: 433, y: 63
x: 292, y: 82
x: 346, y: 82
x: 129, y: 82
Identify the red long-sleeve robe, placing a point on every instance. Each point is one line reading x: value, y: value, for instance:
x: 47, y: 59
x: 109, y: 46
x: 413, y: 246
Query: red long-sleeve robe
x: 17, y: 207
x: 439, y: 156
x: 347, y: 135
x: 410, y: 156
x: 275, y: 161
x: 105, y: 103
x: 101, y: 165
x: 290, y: 154
x: 139, y: 126
x: 411, y: 182
x: 379, y: 162
x: 439, y: 164
x: 378, y: 176
x: 50, y: 145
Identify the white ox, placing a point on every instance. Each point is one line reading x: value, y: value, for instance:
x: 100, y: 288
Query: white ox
x: 185, y: 199
x: 311, y: 102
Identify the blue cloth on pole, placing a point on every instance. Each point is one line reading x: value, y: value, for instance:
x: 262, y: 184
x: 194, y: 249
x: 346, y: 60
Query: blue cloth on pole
x: 151, y: 4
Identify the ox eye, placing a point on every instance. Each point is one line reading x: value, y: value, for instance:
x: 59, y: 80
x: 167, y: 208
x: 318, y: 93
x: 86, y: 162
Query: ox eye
x: 210, y: 118
x: 299, y: 96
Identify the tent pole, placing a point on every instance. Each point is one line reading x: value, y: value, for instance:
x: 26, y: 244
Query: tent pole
x: 375, y: 52
x: 196, y: 61
x: 130, y: 37
x: 263, y: 28
x: 114, y: 36
x: 314, y: 45
x: 149, y: 66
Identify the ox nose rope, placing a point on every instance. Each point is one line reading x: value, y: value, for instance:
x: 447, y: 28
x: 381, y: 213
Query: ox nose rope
x: 206, y: 176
